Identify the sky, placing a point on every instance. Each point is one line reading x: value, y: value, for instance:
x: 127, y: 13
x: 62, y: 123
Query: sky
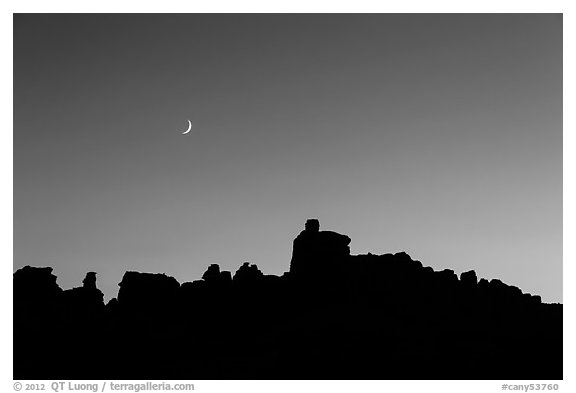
x: 435, y: 134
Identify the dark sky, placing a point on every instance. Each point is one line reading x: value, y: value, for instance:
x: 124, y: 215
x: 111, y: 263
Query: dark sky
x: 437, y: 134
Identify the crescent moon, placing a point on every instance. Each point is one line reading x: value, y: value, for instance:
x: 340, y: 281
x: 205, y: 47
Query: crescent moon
x: 189, y: 128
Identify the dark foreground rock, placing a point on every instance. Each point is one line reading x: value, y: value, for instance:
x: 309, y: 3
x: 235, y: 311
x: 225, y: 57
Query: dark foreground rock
x: 332, y: 316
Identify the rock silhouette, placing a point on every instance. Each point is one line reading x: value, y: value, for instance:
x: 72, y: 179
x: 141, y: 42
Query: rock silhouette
x: 317, y: 253
x: 332, y: 316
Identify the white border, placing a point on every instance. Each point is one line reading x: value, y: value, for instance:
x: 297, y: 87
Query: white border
x: 300, y: 6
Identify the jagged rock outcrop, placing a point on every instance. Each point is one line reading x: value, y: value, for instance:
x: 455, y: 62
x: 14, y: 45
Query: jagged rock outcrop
x: 333, y: 316
x: 89, y: 281
x: 84, y: 305
x: 88, y: 297
x: 50, y: 324
x: 469, y: 279
x: 214, y: 276
x: 35, y: 285
x: 247, y: 273
x: 146, y: 293
x: 318, y: 255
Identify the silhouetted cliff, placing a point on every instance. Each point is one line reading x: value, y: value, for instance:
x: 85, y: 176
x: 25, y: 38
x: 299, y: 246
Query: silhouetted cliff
x: 332, y: 316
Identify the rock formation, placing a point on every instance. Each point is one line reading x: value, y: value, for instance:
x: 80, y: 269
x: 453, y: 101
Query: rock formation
x: 318, y: 253
x: 333, y: 316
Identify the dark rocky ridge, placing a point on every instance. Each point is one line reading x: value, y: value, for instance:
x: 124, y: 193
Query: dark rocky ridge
x: 332, y: 316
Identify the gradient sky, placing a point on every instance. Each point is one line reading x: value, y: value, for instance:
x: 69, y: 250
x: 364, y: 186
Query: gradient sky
x: 439, y: 135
